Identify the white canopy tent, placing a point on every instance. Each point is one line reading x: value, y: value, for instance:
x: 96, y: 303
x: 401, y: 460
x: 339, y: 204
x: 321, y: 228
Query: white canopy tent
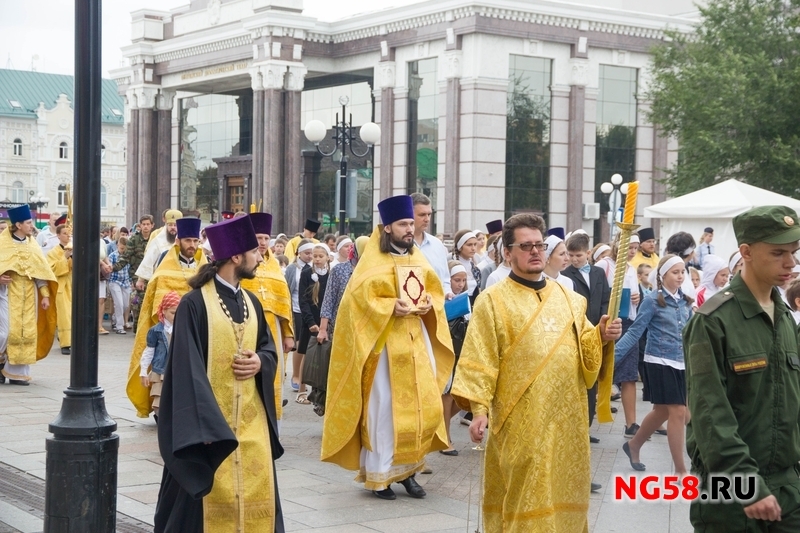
x: 714, y: 206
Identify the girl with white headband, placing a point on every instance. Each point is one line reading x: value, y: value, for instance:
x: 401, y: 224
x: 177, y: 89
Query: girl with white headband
x: 599, y: 252
x: 556, y: 260
x: 663, y: 313
x: 458, y: 331
x: 503, y: 268
x: 343, y: 246
x: 464, y: 249
x: 313, y: 281
x: 292, y: 275
x: 735, y: 263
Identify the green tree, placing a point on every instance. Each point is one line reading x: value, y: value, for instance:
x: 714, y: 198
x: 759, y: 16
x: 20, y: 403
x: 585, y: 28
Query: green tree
x: 729, y: 94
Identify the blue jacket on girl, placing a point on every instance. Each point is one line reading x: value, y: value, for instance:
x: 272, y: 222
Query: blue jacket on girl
x: 157, y: 338
x: 664, y: 326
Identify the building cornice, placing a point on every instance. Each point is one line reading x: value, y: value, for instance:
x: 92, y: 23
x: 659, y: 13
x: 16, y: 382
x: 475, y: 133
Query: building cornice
x: 381, y: 24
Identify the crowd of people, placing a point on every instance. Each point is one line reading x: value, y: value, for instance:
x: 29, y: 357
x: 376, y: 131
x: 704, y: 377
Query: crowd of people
x: 503, y: 326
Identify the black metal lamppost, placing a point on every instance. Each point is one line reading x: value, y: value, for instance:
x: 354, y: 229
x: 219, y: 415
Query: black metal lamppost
x: 343, y: 136
x: 81, y: 473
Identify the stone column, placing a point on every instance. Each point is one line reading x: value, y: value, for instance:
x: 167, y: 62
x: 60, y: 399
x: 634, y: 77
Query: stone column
x: 660, y: 166
x: 163, y: 151
x: 576, y: 163
x: 296, y: 189
x: 482, y: 151
x: 385, y: 78
x: 272, y: 143
x: 452, y: 72
x: 148, y: 131
x: 132, y: 160
x: 558, y: 206
x: 257, y: 183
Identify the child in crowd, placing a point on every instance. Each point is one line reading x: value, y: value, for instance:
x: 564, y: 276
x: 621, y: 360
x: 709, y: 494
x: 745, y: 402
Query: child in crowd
x: 283, y: 261
x: 313, y: 282
x: 715, y: 276
x: 643, y: 273
x: 600, y: 251
x: 664, y: 313
x: 590, y: 282
x: 697, y: 276
x: 280, y: 246
x: 154, y: 357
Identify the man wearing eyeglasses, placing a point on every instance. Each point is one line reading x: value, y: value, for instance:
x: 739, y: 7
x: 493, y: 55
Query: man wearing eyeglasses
x: 529, y: 355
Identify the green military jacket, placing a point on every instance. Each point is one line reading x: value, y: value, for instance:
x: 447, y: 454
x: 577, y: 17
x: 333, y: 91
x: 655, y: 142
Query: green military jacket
x: 133, y: 255
x: 743, y: 383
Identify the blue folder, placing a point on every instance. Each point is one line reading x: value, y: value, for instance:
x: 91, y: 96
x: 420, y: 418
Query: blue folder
x: 625, y: 304
x: 457, y: 307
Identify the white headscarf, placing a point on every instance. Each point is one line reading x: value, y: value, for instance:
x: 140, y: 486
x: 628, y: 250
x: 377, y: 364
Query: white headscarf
x: 712, y: 264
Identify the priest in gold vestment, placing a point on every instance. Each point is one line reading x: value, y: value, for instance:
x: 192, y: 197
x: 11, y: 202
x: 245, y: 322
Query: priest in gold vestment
x: 177, y: 266
x: 27, y: 318
x: 389, y: 364
x: 217, y: 431
x: 269, y: 285
x: 59, y: 258
x: 528, y: 358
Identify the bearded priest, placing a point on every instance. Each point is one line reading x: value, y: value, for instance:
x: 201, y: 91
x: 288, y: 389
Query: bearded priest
x: 390, y: 363
x: 217, y: 432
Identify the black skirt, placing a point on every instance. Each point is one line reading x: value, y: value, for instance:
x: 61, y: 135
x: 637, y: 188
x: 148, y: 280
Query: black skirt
x: 664, y: 385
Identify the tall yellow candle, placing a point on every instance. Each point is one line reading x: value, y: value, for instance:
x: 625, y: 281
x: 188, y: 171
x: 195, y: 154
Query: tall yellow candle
x: 630, y: 202
x: 252, y: 208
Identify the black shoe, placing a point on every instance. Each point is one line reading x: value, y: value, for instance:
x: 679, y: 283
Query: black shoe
x: 613, y: 409
x: 385, y: 494
x: 661, y: 432
x: 19, y: 382
x: 412, y: 488
x: 65, y: 350
x: 155, y: 417
x: 596, y: 487
x: 593, y: 440
x: 639, y: 467
x: 630, y: 431
x: 451, y: 453
x: 2, y: 377
x: 615, y: 397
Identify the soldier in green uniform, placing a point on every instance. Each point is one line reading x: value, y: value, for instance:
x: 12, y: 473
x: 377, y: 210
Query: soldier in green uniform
x: 743, y: 381
x: 133, y: 256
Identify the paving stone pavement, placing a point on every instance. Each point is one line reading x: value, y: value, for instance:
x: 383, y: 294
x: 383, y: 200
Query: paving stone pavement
x: 316, y: 496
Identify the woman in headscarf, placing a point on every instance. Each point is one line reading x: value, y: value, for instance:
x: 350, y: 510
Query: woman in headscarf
x: 556, y: 259
x: 715, y: 276
x: 464, y: 251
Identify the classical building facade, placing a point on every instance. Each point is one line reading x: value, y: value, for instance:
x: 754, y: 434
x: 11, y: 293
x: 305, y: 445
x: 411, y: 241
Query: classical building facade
x: 491, y: 108
x: 37, y: 142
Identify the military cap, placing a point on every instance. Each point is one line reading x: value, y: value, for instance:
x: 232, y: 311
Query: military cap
x: 773, y: 224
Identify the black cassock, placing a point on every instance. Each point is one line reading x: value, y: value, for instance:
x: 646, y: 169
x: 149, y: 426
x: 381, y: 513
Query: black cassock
x: 189, y: 416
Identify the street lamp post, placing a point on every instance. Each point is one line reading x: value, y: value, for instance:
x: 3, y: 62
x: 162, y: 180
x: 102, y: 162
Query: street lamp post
x: 37, y: 202
x: 343, y: 136
x: 81, y: 473
x: 614, y: 190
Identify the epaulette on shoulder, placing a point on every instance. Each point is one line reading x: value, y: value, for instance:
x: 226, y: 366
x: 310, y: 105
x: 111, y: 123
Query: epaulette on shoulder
x: 714, y: 303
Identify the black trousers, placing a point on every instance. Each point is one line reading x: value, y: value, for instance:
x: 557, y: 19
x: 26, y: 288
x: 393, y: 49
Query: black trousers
x: 592, y: 397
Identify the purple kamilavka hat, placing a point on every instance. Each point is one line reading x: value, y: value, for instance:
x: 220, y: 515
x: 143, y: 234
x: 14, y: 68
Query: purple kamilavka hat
x: 231, y: 237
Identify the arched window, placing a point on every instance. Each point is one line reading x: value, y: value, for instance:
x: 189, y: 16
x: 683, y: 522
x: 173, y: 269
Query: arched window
x: 122, y: 197
x: 103, y: 197
x: 18, y: 193
x: 102, y: 152
x: 18, y: 147
x: 124, y: 155
x: 62, y: 195
x: 63, y: 151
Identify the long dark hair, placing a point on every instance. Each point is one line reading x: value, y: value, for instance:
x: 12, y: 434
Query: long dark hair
x: 205, y: 273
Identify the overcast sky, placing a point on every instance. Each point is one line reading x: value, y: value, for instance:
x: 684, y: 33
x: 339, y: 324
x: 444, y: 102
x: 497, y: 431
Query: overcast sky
x: 45, y: 28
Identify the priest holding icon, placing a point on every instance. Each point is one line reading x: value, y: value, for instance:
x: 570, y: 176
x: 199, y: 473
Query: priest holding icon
x: 393, y: 371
